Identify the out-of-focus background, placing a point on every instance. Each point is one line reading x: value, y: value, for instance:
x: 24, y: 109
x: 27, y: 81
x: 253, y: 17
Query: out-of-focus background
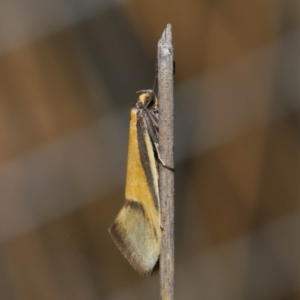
x: 69, y: 71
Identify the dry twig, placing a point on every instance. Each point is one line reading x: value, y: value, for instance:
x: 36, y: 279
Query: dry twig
x: 166, y: 177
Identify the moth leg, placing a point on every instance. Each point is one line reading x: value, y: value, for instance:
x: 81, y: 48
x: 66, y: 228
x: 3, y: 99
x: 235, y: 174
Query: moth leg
x: 161, y: 160
x: 151, y: 123
x: 153, y: 119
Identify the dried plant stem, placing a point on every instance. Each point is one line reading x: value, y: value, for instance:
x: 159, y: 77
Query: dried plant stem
x: 166, y: 177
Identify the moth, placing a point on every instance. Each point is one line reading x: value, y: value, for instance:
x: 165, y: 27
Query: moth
x: 137, y: 228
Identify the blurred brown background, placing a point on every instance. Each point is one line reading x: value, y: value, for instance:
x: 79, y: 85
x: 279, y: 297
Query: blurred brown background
x: 69, y: 71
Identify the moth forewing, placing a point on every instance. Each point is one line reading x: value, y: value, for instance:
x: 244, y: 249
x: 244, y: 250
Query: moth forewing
x: 136, y: 230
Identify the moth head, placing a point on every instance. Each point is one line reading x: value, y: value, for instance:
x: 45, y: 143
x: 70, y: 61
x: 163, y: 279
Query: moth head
x: 147, y: 99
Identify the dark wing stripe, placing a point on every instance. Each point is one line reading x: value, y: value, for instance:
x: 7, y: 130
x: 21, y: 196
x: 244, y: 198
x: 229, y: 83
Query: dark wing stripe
x: 134, y: 205
x: 116, y: 232
x: 141, y: 131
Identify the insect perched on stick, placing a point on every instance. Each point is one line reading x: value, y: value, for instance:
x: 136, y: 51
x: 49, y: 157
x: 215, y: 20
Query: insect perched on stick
x: 137, y: 228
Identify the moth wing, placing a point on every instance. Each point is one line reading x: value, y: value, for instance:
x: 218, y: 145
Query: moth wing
x: 136, y: 230
x: 136, y: 239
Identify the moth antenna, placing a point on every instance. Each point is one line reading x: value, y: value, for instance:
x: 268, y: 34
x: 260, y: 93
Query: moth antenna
x: 154, y: 82
x: 143, y: 91
x: 155, y: 76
